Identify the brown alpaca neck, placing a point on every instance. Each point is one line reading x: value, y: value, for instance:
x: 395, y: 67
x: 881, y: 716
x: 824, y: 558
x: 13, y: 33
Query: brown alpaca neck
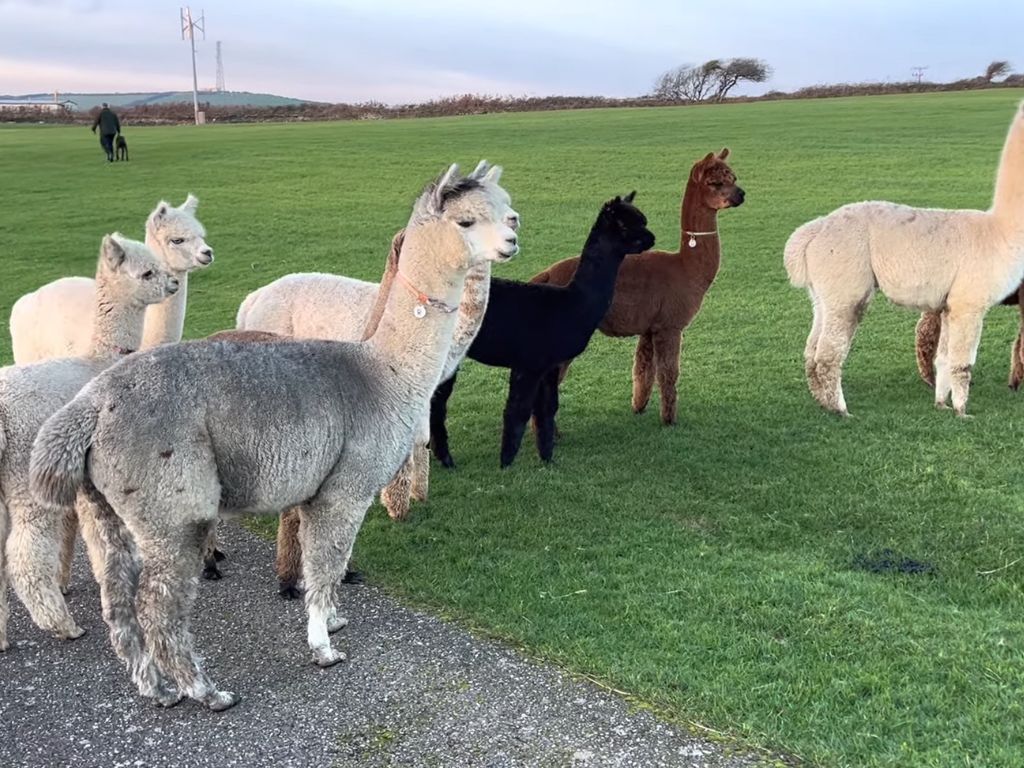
x: 705, y: 255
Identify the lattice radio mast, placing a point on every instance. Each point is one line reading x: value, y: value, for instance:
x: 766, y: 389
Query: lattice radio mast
x: 189, y: 25
x: 220, y: 70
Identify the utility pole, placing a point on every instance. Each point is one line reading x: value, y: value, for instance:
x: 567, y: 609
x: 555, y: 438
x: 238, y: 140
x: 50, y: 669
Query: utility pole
x: 220, y: 70
x: 918, y: 73
x: 189, y: 26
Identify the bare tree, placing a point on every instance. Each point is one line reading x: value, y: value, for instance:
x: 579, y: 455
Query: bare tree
x: 688, y: 82
x: 732, y: 71
x: 996, y: 69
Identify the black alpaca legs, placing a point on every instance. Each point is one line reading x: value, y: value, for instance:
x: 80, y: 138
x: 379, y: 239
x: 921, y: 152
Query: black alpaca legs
x: 544, y: 410
x: 522, y: 391
x: 438, y: 416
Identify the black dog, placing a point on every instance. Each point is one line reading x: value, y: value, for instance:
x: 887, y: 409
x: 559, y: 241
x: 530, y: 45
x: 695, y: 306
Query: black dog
x: 121, y: 148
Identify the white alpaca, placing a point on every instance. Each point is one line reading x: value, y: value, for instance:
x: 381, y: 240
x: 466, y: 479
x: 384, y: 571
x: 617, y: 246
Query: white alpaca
x: 959, y: 262
x: 324, y: 306
x: 55, y: 320
x: 129, y: 277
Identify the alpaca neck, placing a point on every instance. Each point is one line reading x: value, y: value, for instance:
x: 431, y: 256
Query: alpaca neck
x: 472, y: 306
x: 117, y: 325
x: 1008, y: 202
x: 599, y: 261
x: 414, y: 349
x: 694, y: 216
x: 165, y: 322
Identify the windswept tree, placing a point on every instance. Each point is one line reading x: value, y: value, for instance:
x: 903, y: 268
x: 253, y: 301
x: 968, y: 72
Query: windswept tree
x: 711, y: 80
x: 735, y: 70
x: 996, y: 69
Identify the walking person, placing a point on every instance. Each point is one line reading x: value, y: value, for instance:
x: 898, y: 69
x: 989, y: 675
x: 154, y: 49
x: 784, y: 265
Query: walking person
x: 109, y: 127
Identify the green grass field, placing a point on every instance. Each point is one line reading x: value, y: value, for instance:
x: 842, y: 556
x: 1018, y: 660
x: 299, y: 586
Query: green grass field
x: 711, y: 569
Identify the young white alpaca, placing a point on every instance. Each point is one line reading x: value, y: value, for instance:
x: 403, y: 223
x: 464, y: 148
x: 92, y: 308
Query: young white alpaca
x: 54, y: 320
x: 129, y: 277
x: 254, y: 428
x: 959, y: 262
x: 336, y: 308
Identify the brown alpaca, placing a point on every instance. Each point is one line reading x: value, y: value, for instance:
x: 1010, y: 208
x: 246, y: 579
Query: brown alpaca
x: 927, y: 343
x: 658, y: 293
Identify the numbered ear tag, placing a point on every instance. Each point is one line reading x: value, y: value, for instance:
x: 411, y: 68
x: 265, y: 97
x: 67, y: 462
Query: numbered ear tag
x: 420, y: 311
x: 693, y: 242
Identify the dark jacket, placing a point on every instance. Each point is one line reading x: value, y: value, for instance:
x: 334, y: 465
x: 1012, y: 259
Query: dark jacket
x: 107, y: 122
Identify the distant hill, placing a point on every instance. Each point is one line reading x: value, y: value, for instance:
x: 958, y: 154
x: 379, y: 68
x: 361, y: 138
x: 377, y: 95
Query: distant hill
x: 86, y: 101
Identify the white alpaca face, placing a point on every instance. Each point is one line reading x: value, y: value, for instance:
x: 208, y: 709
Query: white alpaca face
x: 137, y: 272
x: 179, y: 236
x: 487, y: 223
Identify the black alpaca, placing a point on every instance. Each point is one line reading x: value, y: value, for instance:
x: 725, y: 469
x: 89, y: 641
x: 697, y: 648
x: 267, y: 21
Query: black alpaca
x: 532, y: 329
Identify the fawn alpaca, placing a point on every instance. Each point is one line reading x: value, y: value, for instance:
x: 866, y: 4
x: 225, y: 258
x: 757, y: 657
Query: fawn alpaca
x: 256, y: 428
x: 956, y: 262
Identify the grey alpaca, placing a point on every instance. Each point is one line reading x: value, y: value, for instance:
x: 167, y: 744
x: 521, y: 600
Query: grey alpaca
x: 129, y: 277
x: 171, y: 437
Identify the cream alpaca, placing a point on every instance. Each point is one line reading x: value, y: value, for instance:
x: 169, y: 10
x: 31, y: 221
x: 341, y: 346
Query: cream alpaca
x: 959, y: 262
x: 54, y: 320
x: 246, y: 427
x: 129, y: 277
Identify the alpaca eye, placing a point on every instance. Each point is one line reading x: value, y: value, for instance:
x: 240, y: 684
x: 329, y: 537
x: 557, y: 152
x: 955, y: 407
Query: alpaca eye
x: 177, y: 240
x: 466, y: 224
x: 148, y: 274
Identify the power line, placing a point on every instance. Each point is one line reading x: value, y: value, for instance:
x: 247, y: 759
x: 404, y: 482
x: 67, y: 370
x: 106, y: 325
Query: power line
x: 189, y: 26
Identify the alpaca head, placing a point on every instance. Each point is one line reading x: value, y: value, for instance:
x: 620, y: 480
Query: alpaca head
x: 130, y: 271
x: 177, y: 236
x: 470, y: 216
x: 626, y: 224
x: 716, y: 182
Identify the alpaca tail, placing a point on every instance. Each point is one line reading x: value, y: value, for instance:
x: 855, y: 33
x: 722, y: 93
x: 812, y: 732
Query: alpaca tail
x: 57, y: 468
x: 795, y: 257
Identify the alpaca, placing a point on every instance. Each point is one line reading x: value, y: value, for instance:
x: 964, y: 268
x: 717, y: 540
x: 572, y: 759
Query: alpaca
x: 53, y: 321
x: 254, y: 428
x: 956, y: 262
x: 658, y: 293
x: 531, y: 329
x: 306, y: 306
x: 128, y: 278
x: 926, y: 342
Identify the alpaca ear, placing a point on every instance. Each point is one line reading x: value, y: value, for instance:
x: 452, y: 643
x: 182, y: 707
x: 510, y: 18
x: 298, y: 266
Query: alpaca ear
x: 112, y: 251
x: 395, y: 252
x: 724, y: 153
x: 437, y: 198
x: 709, y: 157
x: 629, y: 198
x: 160, y: 212
x: 494, y: 174
x: 190, y: 204
x: 480, y: 170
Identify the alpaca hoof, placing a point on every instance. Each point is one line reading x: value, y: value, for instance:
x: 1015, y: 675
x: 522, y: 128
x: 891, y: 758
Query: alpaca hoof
x: 221, y: 700
x: 336, y: 623
x: 212, y: 573
x: 941, y: 406
x: 398, y: 514
x: 218, y: 555
x: 327, y: 657
x: 961, y: 413
x: 4, y: 645
x: 167, y: 697
x: 71, y: 634
x: 289, y: 591
x: 353, y: 577
x: 420, y: 494
x: 64, y: 589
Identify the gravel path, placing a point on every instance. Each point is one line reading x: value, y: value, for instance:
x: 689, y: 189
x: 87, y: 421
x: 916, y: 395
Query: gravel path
x: 415, y: 691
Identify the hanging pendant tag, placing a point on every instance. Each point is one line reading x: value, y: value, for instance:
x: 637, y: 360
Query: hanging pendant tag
x: 693, y: 242
x: 420, y: 311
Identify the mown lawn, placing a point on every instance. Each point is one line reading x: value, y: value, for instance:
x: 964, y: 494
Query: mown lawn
x: 716, y: 570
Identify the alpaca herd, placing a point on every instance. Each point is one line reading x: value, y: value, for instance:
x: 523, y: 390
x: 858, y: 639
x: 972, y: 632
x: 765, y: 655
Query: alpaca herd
x: 331, y: 391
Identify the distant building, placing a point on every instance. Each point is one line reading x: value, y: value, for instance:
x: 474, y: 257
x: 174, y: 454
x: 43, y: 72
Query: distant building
x: 56, y: 104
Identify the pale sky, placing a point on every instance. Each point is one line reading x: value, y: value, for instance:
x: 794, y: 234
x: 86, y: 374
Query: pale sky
x: 411, y: 50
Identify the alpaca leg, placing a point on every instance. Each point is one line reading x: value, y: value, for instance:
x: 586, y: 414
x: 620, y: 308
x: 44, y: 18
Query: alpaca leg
x: 666, y: 356
x: 327, y: 532
x: 33, y: 555
x: 838, y: 328
x: 643, y: 372
x: 927, y: 333
x: 964, y: 337
x: 395, y: 495
x: 421, y: 462
x: 288, y: 563
x: 438, y: 417
x: 1017, y: 355
x: 545, y: 409
x: 211, y: 555
x: 522, y: 391
x: 113, y: 551
x: 69, y: 528
x: 167, y: 589
x: 943, y: 380
x: 812, y: 338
